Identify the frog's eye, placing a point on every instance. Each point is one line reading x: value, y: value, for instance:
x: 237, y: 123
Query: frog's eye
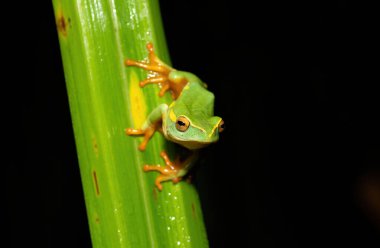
x: 182, y: 124
x: 221, y: 126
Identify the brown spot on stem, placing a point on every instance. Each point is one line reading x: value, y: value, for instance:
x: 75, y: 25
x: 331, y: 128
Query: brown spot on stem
x: 95, y: 147
x: 193, y: 210
x: 62, y: 23
x: 97, y: 191
x: 97, y: 220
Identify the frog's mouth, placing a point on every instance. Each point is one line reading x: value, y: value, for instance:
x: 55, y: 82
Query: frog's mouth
x: 189, y: 144
x: 192, y: 145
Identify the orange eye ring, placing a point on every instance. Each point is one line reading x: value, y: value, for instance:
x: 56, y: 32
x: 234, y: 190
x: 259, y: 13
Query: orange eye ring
x: 182, y: 124
x: 221, y: 126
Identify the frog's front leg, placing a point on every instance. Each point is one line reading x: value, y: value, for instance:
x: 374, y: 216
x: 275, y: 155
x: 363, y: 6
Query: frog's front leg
x: 151, y: 125
x: 173, y: 171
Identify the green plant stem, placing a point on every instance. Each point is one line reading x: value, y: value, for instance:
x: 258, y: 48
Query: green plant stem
x: 124, y: 208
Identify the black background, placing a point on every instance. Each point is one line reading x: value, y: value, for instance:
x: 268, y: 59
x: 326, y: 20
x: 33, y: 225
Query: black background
x: 298, y: 164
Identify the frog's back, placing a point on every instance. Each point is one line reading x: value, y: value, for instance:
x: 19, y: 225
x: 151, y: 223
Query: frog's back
x: 195, y: 98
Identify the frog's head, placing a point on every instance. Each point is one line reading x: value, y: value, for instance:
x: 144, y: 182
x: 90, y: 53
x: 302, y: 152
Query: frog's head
x: 195, y: 132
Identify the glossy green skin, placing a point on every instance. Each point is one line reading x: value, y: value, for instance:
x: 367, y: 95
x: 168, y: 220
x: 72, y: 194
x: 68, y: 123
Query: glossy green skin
x: 195, y: 103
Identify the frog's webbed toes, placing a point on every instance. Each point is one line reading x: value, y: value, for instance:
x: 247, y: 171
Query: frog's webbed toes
x: 171, y: 171
x: 147, y: 133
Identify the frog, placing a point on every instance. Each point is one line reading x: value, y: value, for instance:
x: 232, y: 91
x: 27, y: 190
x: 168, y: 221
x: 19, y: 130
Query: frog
x: 188, y: 120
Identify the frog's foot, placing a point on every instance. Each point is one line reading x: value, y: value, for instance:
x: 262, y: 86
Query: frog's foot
x: 160, y: 69
x: 147, y: 133
x: 162, y: 81
x: 171, y: 171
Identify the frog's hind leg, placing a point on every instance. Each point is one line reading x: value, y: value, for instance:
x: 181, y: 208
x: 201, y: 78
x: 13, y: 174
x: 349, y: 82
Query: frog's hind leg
x: 161, y: 81
x: 160, y: 69
x: 155, y: 64
x: 147, y: 66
